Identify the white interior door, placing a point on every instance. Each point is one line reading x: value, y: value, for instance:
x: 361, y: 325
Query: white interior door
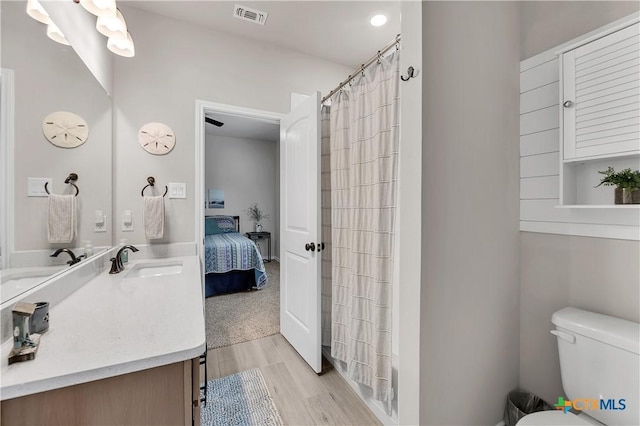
x: 300, y: 230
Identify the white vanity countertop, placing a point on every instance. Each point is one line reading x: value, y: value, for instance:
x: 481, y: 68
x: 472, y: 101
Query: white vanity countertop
x: 114, y: 325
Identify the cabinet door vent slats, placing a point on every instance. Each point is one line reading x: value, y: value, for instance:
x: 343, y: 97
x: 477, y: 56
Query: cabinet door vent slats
x: 602, y: 81
x: 600, y: 49
x: 613, y: 71
x: 622, y: 55
x: 612, y: 127
x: 609, y: 106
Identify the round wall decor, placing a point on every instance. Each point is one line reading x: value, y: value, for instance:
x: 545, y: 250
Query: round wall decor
x: 156, y: 138
x: 65, y: 129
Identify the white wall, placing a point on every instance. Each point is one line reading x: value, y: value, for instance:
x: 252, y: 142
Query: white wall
x: 50, y: 77
x: 470, y: 293
x: 406, y: 294
x: 597, y: 274
x: 175, y: 64
x: 245, y: 169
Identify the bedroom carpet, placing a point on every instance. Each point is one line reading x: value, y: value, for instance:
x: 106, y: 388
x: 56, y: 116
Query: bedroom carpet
x: 240, y: 317
x: 239, y: 399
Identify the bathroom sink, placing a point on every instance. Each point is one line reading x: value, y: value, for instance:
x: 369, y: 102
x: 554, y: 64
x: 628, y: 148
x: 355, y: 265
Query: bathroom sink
x: 155, y: 269
x: 17, y: 281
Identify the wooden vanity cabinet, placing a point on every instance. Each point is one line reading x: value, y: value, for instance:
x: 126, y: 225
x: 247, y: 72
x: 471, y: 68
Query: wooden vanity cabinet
x: 166, y: 395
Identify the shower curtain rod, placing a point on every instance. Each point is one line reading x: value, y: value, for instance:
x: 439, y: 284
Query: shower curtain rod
x: 373, y: 59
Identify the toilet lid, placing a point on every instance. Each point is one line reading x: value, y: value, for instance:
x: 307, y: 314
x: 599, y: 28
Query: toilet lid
x: 553, y: 418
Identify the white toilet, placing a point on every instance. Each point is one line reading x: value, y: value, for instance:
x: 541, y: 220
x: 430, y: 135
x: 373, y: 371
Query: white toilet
x: 599, y: 359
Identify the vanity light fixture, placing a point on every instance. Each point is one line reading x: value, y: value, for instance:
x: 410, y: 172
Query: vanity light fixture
x: 122, y: 46
x: 37, y: 12
x: 109, y: 23
x: 54, y: 33
x: 100, y: 7
x: 112, y: 26
x: 378, y: 20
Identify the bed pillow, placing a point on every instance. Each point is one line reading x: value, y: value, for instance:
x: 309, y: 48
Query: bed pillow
x: 218, y: 225
x: 211, y: 227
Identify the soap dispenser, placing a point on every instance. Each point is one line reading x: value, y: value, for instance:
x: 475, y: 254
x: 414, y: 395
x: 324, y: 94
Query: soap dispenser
x: 88, y: 249
x: 125, y: 253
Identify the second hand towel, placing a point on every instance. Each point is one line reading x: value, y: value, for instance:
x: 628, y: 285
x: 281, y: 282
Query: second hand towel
x: 61, y: 227
x: 153, y: 212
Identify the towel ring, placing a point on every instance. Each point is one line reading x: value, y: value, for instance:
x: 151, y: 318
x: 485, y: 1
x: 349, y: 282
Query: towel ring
x: 68, y: 180
x: 151, y: 182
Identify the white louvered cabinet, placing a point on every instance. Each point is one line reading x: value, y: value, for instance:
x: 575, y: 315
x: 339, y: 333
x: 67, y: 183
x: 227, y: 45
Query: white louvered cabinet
x: 599, y: 113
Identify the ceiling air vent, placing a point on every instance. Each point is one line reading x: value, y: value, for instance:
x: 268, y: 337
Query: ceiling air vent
x: 249, y: 14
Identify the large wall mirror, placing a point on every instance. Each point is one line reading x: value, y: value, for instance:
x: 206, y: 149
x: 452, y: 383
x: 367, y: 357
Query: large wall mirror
x: 46, y: 77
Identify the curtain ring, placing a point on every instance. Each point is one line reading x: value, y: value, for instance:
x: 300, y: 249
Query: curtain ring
x: 362, y: 70
x: 379, y: 58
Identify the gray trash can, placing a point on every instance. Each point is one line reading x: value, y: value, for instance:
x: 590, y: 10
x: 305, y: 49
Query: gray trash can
x: 519, y: 404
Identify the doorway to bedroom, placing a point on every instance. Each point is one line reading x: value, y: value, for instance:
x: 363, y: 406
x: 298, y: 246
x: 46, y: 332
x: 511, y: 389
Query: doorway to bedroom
x: 240, y: 187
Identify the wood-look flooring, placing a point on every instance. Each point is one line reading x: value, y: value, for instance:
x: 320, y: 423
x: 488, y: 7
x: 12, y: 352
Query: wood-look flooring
x: 301, y: 396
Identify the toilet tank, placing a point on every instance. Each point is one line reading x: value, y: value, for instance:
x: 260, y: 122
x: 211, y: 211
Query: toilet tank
x: 600, y: 360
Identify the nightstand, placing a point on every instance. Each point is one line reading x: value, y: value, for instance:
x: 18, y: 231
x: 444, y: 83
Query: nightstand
x: 257, y: 236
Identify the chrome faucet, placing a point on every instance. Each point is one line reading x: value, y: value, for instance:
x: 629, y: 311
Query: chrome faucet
x: 116, y: 262
x: 73, y: 260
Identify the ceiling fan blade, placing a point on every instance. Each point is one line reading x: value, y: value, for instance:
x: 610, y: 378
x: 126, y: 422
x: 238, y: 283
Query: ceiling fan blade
x: 214, y: 122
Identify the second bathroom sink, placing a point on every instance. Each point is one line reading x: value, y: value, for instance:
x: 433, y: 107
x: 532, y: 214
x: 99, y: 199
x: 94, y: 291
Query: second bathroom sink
x: 154, y: 269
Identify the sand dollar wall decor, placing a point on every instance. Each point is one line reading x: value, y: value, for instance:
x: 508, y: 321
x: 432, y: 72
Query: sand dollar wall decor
x: 65, y: 129
x: 156, y: 138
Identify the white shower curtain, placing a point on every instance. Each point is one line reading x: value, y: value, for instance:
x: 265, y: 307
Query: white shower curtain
x: 364, y: 139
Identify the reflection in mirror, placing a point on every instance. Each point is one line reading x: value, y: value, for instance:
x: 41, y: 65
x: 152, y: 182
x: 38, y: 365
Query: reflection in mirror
x: 49, y: 77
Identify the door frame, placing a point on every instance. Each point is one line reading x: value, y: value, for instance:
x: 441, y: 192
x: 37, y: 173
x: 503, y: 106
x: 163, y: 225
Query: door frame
x: 203, y: 107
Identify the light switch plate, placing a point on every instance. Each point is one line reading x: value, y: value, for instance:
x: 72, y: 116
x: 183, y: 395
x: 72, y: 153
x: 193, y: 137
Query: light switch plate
x: 35, y: 187
x: 177, y: 190
x: 127, y: 221
x: 100, y: 222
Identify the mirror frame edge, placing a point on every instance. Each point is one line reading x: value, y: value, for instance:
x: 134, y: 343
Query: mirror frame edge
x: 7, y: 103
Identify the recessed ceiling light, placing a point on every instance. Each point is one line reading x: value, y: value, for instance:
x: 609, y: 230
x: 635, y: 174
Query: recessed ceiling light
x: 378, y: 20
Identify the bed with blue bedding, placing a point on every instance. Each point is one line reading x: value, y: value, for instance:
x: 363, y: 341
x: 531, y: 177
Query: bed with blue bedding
x: 232, y: 262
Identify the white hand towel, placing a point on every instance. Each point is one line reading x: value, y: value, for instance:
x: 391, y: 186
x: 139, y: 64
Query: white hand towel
x: 153, y: 212
x: 61, y: 218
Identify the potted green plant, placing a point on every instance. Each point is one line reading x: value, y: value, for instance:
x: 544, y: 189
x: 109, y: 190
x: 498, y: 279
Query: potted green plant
x: 255, y: 213
x: 627, y: 183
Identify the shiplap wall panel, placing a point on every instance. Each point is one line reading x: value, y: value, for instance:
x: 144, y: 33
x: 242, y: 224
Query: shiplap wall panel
x: 540, y: 142
x: 540, y: 155
x: 537, y: 121
x: 539, y: 165
x: 539, y: 187
x: 539, y: 98
x: 539, y: 76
